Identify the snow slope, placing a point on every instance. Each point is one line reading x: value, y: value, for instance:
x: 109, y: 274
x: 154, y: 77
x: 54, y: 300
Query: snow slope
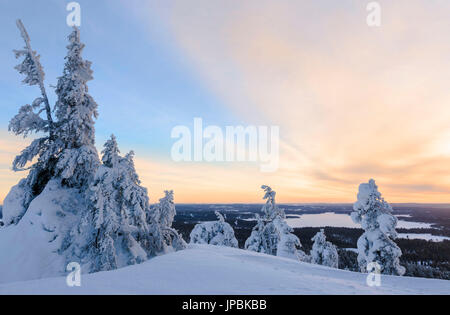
x: 208, y: 269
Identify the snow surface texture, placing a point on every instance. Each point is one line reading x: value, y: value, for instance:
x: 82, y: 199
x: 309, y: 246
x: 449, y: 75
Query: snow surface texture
x: 207, y: 269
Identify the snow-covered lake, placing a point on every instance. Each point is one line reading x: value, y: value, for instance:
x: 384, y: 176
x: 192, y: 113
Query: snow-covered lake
x: 424, y: 236
x: 340, y: 220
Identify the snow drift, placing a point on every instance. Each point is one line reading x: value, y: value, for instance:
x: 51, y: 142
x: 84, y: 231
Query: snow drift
x: 30, y: 248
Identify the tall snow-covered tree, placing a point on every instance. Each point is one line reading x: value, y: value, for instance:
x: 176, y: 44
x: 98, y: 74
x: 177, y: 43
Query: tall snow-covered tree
x: 266, y: 235
x: 76, y: 110
x: 29, y: 120
x: 114, y: 231
x: 163, y: 214
x: 100, y: 215
x: 214, y: 232
x: 270, y: 208
x: 255, y: 242
x: 324, y: 252
x: 272, y: 235
x: 376, y: 244
x: 166, y: 209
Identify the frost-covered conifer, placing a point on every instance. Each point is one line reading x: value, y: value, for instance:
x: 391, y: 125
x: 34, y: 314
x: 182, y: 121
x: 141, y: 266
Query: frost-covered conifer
x: 288, y: 243
x: 214, y: 232
x: 29, y: 120
x: 272, y: 235
x: 163, y: 214
x: 76, y: 110
x: 324, y: 252
x: 166, y: 209
x: 270, y: 208
x: 255, y: 241
x: 375, y: 245
x: 114, y: 231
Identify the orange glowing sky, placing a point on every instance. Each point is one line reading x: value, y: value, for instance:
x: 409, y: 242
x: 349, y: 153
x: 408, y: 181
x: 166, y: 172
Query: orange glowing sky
x: 352, y: 102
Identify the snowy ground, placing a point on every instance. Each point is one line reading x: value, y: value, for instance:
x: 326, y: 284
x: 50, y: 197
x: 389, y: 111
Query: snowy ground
x: 207, y: 269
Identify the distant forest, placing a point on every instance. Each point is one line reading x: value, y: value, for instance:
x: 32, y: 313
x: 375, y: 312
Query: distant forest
x: 421, y: 258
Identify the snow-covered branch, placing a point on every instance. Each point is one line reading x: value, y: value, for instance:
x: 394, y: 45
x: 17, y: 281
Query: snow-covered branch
x: 34, y: 72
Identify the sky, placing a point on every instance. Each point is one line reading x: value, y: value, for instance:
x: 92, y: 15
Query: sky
x: 352, y: 102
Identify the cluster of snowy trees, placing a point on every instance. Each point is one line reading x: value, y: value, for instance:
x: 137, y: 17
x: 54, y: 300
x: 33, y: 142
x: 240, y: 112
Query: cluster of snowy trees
x: 273, y: 236
x: 118, y: 226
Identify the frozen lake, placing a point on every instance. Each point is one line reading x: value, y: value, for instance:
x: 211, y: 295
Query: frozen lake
x: 424, y: 236
x: 340, y: 220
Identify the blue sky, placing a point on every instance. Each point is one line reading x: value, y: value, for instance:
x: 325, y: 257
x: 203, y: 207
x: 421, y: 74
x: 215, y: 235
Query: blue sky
x: 142, y: 84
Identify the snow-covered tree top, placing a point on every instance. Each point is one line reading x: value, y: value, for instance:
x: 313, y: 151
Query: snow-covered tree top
x: 75, y: 64
x: 375, y: 216
x: 31, y: 66
x: 27, y: 121
x: 168, y: 197
x: 269, y: 194
x: 369, y: 200
x: 219, y: 216
x: 320, y: 237
x: 110, y: 153
x: 270, y: 209
x: 75, y: 108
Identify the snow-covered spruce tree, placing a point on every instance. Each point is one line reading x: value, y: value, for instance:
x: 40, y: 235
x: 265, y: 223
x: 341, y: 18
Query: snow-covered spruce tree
x: 324, y: 252
x: 214, y: 232
x: 375, y: 245
x: 266, y: 235
x: 26, y: 122
x: 113, y: 231
x: 288, y: 243
x: 272, y: 235
x: 163, y: 214
x: 255, y: 242
x: 75, y: 111
x: 166, y: 209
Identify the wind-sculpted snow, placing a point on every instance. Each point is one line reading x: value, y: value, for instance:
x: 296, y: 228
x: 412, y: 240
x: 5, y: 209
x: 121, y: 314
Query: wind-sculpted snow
x: 207, y: 269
